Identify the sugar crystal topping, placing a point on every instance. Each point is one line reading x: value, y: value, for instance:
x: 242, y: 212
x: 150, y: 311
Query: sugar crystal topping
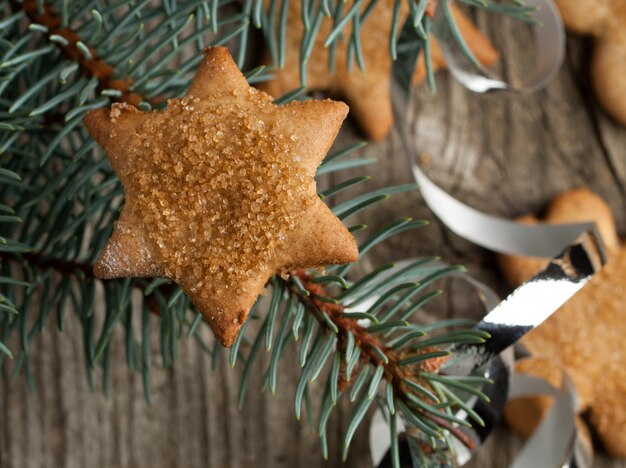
x: 217, y: 186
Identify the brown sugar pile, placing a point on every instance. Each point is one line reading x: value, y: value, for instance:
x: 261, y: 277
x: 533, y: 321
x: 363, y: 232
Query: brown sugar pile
x: 228, y: 222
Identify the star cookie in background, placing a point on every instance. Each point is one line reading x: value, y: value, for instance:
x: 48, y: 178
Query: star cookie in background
x: 220, y: 191
x: 585, y: 337
x: 367, y: 92
x: 605, y: 20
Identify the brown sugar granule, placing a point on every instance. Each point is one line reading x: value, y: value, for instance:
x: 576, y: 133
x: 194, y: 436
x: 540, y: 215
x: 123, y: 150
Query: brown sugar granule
x: 227, y: 222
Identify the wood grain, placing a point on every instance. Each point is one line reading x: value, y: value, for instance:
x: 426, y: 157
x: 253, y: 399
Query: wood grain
x: 505, y: 155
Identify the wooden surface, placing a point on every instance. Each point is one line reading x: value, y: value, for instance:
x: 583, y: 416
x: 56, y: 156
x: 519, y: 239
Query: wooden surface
x: 505, y: 155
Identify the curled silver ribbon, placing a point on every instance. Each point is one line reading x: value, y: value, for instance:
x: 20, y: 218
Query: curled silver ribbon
x: 490, y: 232
x: 576, y: 249
x: 498, y: 370
x: 555, y: 443
x: 549, y: 37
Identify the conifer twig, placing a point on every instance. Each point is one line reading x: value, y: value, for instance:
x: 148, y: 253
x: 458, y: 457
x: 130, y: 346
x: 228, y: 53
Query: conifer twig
x: 70, y: 267
x: 371, y: 345
x: 59, y: 197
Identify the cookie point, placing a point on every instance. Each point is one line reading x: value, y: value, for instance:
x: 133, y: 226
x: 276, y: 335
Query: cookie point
x: 215, y: 50
x: 119, y: 108
x: 342, y: 107
x: 228, y: 336
x: 100, y: 271
x: 338, y: 109
x: 124, y: 107
x: 353, y: 252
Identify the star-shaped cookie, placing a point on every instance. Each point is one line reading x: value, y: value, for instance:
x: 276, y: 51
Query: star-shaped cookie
x: 220, y: 191
x: 367, y: 92
x: 585, y: 336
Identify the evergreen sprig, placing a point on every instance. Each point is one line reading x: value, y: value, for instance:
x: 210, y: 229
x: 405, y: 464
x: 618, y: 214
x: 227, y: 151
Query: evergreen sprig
x: 59, y: 198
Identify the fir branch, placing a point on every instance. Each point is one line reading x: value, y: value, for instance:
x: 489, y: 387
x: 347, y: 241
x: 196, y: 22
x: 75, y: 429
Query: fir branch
x: 59, y: 197
x: 408, y: 385
x: 64, y: 267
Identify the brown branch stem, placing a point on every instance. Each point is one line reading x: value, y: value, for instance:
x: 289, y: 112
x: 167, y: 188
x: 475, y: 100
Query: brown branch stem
x: 69, y: 267
x: 92, y: 66
x: 365, y: 340
x: 454, y: 430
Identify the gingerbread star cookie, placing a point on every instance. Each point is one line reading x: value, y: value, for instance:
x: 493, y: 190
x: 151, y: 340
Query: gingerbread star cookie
x: 585, y: 336
x: 367, y: 92
x: 604, y: 20
x: 220, y: 191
